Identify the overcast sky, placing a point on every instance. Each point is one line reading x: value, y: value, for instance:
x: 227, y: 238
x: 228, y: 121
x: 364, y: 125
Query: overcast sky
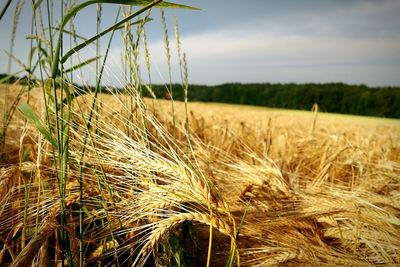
x: 351, y: 41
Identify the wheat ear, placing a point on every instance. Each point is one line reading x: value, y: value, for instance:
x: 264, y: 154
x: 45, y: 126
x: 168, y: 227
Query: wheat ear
x: 174, y: 220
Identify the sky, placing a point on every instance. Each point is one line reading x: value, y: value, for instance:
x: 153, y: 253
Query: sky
x: 276, y: 41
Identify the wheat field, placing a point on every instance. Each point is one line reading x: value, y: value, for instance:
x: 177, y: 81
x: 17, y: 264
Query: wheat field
x: 224, y: 185
x: 95, y: 179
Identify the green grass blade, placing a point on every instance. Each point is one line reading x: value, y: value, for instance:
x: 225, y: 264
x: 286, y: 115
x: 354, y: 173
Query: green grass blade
x: 81, y: 6
x: 3, y: 11
x: 147, y: 2
x: 71, y: 14
x: 242, y: 220
x: 229, y: 262
x: 10, y: 76
x: 82, y: 64
x: 34, y: 118
x: 69, y: 33
x: 145, y: 20
x: 111, y: 28
x: 147, y: 5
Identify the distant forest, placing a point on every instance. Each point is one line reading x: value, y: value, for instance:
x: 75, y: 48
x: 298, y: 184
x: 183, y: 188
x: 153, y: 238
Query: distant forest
x: 330, y: 97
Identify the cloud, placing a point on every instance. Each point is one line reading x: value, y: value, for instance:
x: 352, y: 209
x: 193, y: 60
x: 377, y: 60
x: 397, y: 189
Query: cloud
x: 260, y: 55
x: 354, y: 43
x: 255, y: 55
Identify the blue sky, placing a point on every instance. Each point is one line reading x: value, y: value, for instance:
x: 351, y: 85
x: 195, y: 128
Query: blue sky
x: 351, y: 41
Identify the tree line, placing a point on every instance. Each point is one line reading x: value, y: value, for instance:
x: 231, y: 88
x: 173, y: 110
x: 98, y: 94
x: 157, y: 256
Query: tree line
x: 330, y: 97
